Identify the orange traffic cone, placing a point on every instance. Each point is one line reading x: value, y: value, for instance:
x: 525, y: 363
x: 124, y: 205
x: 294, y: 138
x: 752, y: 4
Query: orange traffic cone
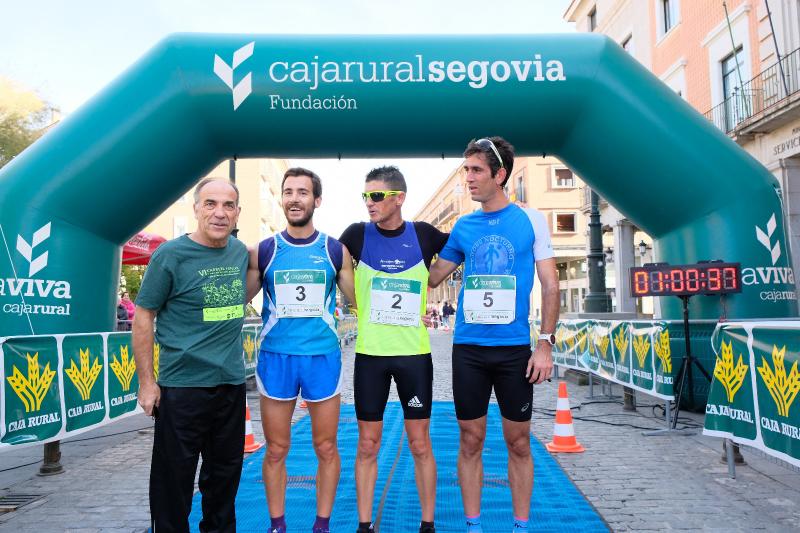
x: 250, y: 444
x: 563, y: 431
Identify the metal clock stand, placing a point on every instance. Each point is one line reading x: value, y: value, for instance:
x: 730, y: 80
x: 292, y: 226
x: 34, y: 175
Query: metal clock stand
x: 684, y: 373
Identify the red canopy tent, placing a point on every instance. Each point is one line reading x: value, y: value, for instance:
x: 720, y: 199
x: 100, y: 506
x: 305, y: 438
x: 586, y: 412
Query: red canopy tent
x: 140, y: 247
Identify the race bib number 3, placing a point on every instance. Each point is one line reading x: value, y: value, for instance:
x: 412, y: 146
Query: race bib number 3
x: 395, y: 301
x: 490, y: 299
x: 299, y: 293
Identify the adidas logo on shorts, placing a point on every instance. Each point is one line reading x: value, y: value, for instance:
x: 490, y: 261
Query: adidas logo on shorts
x: 414, y: 402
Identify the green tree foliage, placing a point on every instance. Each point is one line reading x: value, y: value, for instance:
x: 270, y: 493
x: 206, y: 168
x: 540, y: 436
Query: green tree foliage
x: 22, y: 116
x: 133, y: 275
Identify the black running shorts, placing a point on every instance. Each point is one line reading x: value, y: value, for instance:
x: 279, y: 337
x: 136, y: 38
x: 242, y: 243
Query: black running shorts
x: 476, y: 369
x: 413, y: 376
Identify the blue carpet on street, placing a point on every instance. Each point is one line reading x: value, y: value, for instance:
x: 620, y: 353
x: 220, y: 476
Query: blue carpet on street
x: 557, y: 505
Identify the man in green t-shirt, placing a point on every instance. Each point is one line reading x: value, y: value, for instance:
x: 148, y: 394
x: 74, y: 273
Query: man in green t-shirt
x: 195, y: 285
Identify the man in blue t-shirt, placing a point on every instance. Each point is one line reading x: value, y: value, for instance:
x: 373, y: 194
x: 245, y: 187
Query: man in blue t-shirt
x: 501, y: 246
x: 298, y: 270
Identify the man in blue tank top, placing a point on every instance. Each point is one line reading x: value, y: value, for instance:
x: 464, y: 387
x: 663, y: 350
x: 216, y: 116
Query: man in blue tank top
x: 298, y: 270
x: 501, y: 246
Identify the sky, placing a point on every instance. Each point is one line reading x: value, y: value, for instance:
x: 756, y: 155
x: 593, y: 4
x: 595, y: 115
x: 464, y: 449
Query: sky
x: 68, y: 51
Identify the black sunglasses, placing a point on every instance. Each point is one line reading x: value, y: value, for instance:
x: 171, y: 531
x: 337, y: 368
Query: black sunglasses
x: 378, y: 196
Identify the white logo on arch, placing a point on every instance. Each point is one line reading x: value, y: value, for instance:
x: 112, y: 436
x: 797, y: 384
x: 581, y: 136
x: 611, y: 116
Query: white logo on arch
x: 27, y: 250
x: 225, y: 72
x: 765, y: 238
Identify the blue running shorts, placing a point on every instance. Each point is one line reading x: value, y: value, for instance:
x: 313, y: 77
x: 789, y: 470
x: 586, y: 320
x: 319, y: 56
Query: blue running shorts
x: 284, y: 376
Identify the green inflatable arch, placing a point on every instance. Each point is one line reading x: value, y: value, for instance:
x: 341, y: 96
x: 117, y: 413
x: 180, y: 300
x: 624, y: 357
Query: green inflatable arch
x: 68, y: 202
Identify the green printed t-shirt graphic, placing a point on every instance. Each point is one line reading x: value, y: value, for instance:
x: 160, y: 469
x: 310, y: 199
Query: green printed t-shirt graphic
x: 84, y: 378
x: 30, y: 386
x: 777, y: 360
x: 730, y: 399
x: 198, y: 293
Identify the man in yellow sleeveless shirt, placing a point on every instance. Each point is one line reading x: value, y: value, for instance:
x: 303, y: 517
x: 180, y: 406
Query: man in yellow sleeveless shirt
x: 391, y: 278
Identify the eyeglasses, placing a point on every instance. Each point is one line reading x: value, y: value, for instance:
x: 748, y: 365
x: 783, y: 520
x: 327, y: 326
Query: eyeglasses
x: 488, y: 144
x: 378, y: 196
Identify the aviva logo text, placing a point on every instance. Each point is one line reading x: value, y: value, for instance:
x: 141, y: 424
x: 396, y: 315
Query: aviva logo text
x: 776, y: 281
x: 32, y: 388
x: 224, y: 72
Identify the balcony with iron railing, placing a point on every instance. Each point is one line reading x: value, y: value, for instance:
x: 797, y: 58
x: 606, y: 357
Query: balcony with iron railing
x: 759, y: 105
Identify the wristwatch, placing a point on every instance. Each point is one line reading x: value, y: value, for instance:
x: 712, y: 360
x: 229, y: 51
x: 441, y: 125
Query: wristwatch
x: 548, y: 337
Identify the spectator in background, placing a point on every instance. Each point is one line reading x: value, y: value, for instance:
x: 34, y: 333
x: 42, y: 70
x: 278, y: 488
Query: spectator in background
x: 129, y: 305
x: 122, y: 316
x: 447, y: 314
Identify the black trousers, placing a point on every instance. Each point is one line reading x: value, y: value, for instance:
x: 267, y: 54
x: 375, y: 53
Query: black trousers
x: 194, y: 421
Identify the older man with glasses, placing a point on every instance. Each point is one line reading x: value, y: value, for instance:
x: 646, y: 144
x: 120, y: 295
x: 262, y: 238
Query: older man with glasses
x: 391, y: 277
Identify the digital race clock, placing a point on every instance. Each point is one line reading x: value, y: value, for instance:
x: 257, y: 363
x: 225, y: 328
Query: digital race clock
x: 661, y: 279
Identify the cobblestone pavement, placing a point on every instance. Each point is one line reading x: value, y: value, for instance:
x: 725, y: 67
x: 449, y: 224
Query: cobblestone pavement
x: 636, y: 483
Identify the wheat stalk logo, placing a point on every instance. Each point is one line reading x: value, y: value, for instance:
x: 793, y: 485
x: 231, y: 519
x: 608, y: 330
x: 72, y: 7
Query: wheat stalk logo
x: 782, y: 388
x: 641, y: 346
x: 662, y: 349
x: 621, y: 342
x: 581, y: 341
x: 225, y: 72
x: 560, y: 337
x: 32, y: 389
x: 84, y: 377
x: 766, y: 239
x: 37, y: 264
x: 571, y: 338
x: 156, y: 357
x: 729, y: 375
x: 602, y: 342
x: 249, y: 347
x: 124, y: 369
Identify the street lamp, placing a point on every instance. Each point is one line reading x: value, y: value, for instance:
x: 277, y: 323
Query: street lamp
x: 642, y: 248
x: 609, y: 255
x: 597, y: 299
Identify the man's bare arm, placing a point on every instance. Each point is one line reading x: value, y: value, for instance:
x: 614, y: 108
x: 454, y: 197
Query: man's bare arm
x: 346, y: 277
x: 540, y: 365
x: 548, y: 277
x: 149, y: 394
x: 440, y: 270
x: 253, y: 275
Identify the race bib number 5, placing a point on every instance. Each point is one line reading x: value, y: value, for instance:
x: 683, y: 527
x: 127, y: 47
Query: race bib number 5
x: 395, y: 301
x: 299, y: 293
x: 490, y: 299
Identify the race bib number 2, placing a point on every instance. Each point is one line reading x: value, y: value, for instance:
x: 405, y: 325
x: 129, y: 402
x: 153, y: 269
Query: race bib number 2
x: 395, y: 301
x: 299, y: 293
x: 490, y: 299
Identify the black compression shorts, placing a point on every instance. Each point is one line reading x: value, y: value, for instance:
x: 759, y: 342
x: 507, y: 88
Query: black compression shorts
x: 476, y: 369
x: 413, y: 376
